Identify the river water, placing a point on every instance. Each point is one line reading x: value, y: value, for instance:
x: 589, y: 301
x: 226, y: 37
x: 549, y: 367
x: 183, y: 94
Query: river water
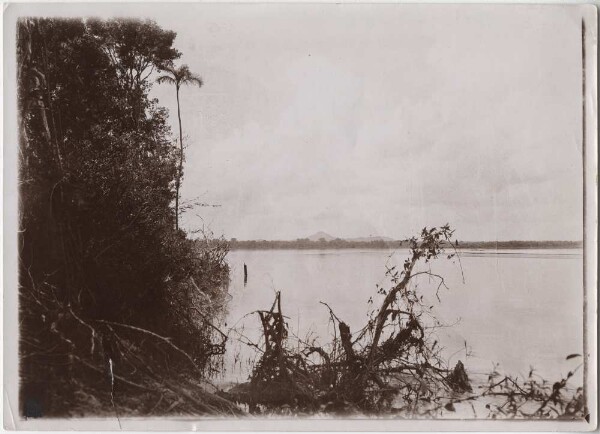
x: 517, y: 308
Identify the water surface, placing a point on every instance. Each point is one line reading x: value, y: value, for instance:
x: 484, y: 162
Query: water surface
x: 515, y: 307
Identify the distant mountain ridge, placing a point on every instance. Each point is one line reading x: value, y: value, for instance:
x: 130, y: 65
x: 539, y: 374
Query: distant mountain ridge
x: 317, y: 236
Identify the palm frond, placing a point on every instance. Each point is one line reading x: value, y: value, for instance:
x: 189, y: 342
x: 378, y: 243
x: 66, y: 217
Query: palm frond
x: 170, y: 69
x: 179, y: 76
x: 165, y: 79
x: 194, y: 79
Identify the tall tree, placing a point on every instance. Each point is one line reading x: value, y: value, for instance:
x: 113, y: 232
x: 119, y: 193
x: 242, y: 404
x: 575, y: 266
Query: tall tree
x: 179, y: 76
x: 96, y: 235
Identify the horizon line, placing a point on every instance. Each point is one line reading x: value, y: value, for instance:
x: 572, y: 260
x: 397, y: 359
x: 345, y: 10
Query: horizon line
x: 390, y: 239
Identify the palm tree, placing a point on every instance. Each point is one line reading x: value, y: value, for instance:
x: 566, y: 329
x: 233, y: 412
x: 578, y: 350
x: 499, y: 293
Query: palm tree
x: 178, y: 77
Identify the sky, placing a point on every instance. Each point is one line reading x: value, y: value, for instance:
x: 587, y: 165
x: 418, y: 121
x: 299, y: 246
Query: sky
x: 362, y: 120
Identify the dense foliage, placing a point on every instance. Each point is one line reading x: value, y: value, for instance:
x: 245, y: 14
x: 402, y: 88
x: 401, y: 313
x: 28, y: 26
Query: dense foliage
x: 98, y: 243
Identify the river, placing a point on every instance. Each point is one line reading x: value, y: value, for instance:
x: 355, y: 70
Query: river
x: 517, y: 308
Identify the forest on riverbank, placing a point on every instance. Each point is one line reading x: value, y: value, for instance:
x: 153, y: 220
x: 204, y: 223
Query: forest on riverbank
x: 340, y: 243
x: 116, y: 302
x: 120, y: 307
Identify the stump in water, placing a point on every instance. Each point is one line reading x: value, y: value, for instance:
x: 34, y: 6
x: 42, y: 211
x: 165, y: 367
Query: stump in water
x: 458, y: 379
x: 245, y: 274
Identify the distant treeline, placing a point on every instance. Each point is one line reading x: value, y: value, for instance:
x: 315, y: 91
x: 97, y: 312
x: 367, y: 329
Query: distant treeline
x: 338, y: 243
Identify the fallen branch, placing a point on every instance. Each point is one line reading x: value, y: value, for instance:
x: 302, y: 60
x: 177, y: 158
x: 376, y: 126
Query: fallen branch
x: 162, y: 338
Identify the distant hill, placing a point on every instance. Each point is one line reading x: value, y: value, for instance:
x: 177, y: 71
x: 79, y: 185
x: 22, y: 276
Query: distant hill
x: 319, y: 235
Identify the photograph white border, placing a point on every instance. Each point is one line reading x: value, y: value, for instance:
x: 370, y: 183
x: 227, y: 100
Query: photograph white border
x: 10, y: 224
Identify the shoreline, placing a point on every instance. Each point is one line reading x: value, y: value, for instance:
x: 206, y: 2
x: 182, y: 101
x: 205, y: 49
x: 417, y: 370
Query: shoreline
x: 286, y: 245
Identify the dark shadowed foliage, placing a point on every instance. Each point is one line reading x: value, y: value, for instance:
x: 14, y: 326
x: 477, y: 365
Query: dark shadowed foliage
x: 107, y: 285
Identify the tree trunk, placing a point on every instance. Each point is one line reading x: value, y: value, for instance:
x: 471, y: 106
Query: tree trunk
x: 180, y: 169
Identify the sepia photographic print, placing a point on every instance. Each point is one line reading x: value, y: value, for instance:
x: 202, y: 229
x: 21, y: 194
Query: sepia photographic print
x: 300, y: 216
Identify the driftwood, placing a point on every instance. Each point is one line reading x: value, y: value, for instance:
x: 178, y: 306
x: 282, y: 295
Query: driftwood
x: 393, y: 364
x: 360, y: 371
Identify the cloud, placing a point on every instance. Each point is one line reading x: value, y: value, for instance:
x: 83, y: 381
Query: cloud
x: 359, y: 121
